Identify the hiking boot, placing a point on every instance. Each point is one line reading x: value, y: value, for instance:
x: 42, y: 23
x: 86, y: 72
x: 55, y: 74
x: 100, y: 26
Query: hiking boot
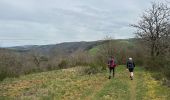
x: 131, y: 77
x: 113, y: 76
x: 109, y: 77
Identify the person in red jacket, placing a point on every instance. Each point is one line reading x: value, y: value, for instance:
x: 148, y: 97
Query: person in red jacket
x: 111, y: 66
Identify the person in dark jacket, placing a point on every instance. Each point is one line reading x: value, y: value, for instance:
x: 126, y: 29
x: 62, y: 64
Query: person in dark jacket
x: 111, y: 66
x: 130, y: 66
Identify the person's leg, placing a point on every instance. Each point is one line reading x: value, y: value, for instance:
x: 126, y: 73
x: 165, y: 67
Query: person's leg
x: 130, y: 70
x: 110, y: 71
x: 131, y: 73
x: 113, y: 72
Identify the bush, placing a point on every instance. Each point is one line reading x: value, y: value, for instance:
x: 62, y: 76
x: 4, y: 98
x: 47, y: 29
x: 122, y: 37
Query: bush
x: 93, y: 69
x: 160, y: 65
x: 3, y: 75
x: 63, y: 64
x: 166, y: 70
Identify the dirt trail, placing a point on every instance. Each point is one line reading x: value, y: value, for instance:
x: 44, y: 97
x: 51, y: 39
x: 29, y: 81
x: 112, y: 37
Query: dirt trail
x: 132, y: 90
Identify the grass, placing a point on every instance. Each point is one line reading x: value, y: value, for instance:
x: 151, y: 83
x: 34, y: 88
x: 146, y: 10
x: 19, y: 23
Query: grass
x: 94, y: 50
x: 68, y: 84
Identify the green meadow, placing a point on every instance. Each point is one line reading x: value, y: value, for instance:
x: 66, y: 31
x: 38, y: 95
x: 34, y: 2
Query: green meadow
x: 70, y: 84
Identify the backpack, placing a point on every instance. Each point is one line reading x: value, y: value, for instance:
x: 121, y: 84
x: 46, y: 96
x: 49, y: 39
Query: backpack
x: 130, y: 64
x: 112, y: 63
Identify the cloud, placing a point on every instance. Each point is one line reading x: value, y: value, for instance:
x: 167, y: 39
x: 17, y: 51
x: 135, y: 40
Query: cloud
x: 29, y: 22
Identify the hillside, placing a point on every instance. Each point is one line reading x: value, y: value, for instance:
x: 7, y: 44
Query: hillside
x: 69, y: 84
x: 61, y: 48
x: 65, y: 47
x: 16, y: 61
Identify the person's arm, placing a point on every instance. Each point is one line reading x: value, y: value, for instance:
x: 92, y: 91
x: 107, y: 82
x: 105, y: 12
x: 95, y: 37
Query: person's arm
x: 108, y: 63
x: 133, y: 64
x: 127, y: 65
x: 115, y: 62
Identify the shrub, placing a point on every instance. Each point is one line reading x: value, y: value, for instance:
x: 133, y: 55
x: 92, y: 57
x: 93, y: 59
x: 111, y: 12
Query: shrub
x: 63, y: 64
x: 3, y: 75
x: 92, y: 69
x: 160, y: 65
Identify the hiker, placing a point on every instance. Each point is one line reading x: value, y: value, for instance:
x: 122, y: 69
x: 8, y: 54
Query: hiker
x: 111, y: 66
x: 130, y: 66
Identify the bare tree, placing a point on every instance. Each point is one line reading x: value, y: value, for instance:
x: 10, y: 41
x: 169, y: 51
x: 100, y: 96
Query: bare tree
x: 105, y: 51
x: 153, y: 28
x: 108, y: 48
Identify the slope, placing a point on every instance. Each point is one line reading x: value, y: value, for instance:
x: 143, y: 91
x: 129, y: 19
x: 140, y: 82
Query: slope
x: 69, y: 84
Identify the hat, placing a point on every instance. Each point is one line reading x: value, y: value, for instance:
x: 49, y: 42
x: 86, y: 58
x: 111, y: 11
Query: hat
x: 130, y: 58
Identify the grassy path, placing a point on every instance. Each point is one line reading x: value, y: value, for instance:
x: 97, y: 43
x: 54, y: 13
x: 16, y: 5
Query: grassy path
x: 132, y: 87
x: 133, y: 90
x: 70, y: 85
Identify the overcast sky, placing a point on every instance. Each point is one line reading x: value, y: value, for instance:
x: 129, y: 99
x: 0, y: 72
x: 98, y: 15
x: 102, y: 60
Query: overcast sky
x: 32, y: 22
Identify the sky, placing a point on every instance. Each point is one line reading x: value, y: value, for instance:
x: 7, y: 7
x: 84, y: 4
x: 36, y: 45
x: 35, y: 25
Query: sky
x: 40, y: 22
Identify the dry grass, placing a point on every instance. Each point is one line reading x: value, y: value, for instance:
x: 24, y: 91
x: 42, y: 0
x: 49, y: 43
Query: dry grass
x: 69, y: 84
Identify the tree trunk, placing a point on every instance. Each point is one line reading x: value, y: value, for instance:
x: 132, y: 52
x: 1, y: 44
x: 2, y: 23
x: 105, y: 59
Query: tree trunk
x: 152, y: 49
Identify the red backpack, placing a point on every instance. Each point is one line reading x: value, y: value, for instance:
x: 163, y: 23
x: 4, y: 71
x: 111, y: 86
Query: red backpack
x: 112, y: 63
